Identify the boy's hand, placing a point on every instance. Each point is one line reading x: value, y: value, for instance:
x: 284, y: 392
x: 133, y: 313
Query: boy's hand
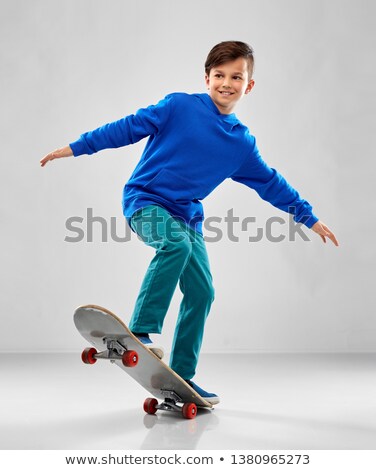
x: 324, y: 232
x: 58, y: 153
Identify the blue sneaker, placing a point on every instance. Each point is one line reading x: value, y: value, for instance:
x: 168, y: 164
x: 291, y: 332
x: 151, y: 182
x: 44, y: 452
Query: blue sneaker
x: 212, y: 398
x: 145, y: 340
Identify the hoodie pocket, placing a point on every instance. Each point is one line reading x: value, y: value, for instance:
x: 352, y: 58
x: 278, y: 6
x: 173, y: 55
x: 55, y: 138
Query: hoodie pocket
x: 171, y: 186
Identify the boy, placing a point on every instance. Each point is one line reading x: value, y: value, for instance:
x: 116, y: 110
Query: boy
x: 195, y: 142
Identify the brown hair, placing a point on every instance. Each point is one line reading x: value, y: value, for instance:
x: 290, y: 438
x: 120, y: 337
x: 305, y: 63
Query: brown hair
x: 227, y: 51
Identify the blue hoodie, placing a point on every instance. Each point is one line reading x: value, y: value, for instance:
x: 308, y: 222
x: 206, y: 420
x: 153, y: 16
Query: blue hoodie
x: 191, y: 149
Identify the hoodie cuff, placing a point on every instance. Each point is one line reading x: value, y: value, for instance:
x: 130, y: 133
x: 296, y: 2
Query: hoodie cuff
x: 78, y: 148
x: 309, y: 221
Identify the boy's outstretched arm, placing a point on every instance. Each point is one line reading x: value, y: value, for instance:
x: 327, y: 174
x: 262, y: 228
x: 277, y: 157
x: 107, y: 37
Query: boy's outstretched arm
x: 125, y: 131
x: 58, y: 153
x: 272, y: 187
x: 324, y: 231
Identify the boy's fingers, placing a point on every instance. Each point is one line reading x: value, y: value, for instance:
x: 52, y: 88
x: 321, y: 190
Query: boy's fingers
x: 47, y: 158
x: 331, y: 236
x: 44, y: 160
x: 325, y: 232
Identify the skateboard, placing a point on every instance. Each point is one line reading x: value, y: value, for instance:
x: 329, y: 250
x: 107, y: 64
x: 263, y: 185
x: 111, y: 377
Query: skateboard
x: 113, y: 341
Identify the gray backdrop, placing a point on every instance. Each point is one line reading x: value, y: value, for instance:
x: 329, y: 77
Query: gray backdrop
x: 70, y: 66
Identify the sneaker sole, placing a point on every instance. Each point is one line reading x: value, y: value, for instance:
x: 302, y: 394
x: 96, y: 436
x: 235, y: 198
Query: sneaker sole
x: 157, y: 351
x: 212, y: 400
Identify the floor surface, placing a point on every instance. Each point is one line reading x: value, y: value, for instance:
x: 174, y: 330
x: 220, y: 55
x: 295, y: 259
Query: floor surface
x: 268, y: 401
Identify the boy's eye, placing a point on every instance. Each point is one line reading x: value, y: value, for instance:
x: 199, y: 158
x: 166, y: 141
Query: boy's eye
x: 235, y: 77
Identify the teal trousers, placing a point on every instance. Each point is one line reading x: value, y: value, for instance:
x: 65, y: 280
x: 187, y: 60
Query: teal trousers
x: 180, y: 257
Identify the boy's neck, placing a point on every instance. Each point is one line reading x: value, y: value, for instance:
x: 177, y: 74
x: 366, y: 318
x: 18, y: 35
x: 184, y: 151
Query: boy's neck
x: 223, y: 110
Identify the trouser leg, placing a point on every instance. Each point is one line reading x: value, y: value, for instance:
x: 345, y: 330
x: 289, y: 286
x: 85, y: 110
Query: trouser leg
x: 198, y: 295
x: 158, y: 229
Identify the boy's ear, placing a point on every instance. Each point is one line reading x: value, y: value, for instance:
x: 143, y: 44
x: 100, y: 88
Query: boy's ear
x: 207, y: 80
x: 249, y: 86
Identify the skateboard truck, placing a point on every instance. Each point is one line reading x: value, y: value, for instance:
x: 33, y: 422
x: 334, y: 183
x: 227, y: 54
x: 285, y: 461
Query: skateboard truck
x: 169, y: 403
x: 115, y: 351
x: 151, y: 405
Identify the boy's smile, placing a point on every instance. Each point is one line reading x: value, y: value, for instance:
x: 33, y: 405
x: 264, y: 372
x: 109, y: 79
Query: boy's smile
x: 228, y: 83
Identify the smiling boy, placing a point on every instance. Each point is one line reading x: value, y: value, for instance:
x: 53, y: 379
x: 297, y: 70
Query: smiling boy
x: 195, y: 142
x: 228, y: 83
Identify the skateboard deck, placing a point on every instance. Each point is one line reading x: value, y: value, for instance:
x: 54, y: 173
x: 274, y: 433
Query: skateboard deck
x: 112, y: 340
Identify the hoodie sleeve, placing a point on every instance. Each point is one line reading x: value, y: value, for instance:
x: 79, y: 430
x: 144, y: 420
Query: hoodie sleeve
x: 128, y: 130
x: 273, y: 188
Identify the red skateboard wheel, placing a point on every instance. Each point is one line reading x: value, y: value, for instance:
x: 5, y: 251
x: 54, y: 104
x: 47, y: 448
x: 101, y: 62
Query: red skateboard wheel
x: 189, y: 410
x: 88, y: 354
x: 150, y: 406
x: 130, y: 358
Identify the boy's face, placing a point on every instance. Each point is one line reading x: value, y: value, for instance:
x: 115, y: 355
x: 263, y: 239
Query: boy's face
x: 228, y: 83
